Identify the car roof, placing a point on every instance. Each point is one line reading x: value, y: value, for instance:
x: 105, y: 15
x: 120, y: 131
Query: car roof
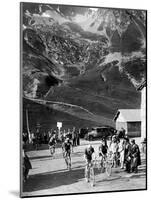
x: 102, y: 127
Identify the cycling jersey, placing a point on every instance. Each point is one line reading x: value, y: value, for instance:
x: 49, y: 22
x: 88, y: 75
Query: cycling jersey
x: 88, y: 153
x: 67, y: 146
x: 102, y: 149
x: 52, y: 141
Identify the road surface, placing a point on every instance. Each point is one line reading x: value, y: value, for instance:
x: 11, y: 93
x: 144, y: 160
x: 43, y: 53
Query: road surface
x: 49, y: 176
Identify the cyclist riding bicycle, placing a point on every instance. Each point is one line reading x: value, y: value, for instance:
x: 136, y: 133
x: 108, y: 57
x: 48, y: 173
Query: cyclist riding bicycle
x: 89, y: 156
x: 66, y: 147
x: 103, y: 148
x: 51, y: 144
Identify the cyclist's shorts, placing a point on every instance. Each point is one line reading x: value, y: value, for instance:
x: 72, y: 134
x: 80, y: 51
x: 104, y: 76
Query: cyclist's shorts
x: 67, y: 153
x: 89, y: 162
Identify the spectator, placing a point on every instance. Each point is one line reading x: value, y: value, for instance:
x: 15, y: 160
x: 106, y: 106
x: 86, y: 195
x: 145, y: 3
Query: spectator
x: 45, y: 138
x: 32, y: 138
x: 26, y: 166
x: 135, y: 156
x: 121, y: 151
x: 25, y: 137
x: 143, y: 146
x: 122, y: 133
x: 78, y: 138
x: 114, y: 149
x: 127, y: 155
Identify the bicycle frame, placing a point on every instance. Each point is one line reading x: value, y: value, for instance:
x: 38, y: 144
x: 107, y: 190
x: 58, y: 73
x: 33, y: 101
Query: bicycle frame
x: 89, y: 173
x: 52, y: 149
x: 105, y: 164
x: 67, y: 158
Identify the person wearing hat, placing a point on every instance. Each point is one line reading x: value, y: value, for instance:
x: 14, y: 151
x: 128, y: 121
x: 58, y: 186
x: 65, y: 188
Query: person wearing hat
x: 114, y: 150
x: 135, y: 156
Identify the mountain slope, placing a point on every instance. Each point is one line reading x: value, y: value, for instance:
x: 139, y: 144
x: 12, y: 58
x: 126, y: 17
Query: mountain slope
x: 92, y: 59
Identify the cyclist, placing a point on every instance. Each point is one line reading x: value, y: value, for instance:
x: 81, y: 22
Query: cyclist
x: 51, y: 144
x: 66, y: 147
x: 89, y: 156
x: 103, y: 148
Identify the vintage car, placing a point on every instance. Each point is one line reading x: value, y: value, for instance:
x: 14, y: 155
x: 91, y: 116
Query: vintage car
x: 102, y: 132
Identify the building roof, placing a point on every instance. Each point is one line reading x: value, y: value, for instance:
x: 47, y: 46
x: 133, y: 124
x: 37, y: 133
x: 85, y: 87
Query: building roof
x: 129, y: 115
x: 141, y: 86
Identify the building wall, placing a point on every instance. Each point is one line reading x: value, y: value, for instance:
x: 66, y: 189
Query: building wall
x: 143, y: 113
x: 120, y: 125
x: 120, y: 118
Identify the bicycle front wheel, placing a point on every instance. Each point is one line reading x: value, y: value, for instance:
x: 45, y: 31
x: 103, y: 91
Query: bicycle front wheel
x: 92, y: 177
x: 108, y: 169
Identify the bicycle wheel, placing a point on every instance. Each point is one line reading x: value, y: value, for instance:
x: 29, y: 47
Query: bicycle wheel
x: 108, y: 168
x: 50, y: 149
x: 66, y: 159
x: 86, y: 174
x: 92, y: 177
x: 69, y: 164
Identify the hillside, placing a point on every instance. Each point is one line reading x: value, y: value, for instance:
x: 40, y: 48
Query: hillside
x: 83, y: 63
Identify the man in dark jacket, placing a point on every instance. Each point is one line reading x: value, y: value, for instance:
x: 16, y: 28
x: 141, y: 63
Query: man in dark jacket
x: 135, y: 156
x: 127, y: 155
x: 26, y: 166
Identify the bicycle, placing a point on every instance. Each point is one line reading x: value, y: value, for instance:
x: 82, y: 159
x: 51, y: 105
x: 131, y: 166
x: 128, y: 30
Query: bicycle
x: 52, y: 150
x: 67, y: 157
x: 105, y: 164
x: 115, y: 159
x: 89, y: 173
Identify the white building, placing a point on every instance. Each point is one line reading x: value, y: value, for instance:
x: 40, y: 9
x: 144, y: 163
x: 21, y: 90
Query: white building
x: 130, y: 120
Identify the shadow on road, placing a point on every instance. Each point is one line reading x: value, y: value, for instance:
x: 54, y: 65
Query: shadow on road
x: 52, y: 180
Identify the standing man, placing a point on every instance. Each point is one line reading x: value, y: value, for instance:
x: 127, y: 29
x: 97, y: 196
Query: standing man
x: 121, y: 152
x: 127, y: 155
x: 78, y: 138
x: 135, y: 155
x: 26, y: 166
x: 114, y: 150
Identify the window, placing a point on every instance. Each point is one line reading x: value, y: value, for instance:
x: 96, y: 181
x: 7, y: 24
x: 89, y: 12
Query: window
x: 134, y: 126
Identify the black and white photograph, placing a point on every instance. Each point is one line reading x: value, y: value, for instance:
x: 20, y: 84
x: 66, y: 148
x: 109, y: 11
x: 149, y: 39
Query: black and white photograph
x: 83, y: 99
